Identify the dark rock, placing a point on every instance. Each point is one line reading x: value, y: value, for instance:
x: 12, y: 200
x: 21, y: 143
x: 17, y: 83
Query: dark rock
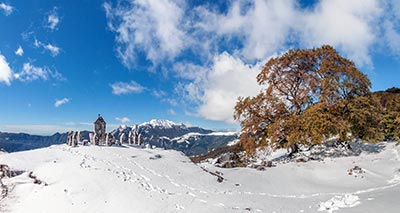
x: 228, y: 164
x: 267, y: 164
x: 260, y: 168
x: 301, y: 160
x: 228, y: 160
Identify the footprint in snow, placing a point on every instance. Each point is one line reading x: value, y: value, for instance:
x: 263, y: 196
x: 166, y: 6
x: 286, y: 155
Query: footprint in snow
x: 191, y: 194
x: 219, y: 204
x: 179, y: 207
x: 202, y: 201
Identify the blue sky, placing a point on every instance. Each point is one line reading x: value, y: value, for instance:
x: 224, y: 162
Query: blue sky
x: 63, y: 62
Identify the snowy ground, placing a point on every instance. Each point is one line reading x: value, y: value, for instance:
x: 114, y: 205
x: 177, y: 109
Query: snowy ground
x: 131, y: 179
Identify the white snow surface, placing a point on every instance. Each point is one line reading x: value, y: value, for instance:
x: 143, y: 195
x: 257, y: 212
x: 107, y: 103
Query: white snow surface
x: 134, y: 179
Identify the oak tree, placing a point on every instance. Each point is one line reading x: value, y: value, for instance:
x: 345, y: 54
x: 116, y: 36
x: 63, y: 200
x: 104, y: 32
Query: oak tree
x: 308, y: 96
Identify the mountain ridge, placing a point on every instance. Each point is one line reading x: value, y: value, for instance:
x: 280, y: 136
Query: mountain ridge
x: 156, y: 132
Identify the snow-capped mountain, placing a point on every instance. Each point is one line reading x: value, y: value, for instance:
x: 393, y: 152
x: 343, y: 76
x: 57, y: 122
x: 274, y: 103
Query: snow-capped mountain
x: 160, y: 133
x: 162, y: 124
x: 197, y: 143
x: 169, y: 135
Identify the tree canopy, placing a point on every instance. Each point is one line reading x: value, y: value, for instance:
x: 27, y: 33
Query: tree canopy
x: 308, y: 96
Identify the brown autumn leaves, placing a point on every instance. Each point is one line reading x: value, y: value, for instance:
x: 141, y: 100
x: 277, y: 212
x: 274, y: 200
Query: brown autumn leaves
x: 311, y: 95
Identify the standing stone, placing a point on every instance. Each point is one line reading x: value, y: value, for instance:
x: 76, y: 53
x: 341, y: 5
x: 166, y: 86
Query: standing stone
x: 100, y: 130
x: 74, y: 139
x: 109, y: 139
x: 91, y: 138
x: 69, y: 138
x: 95, y: 139
x: 131, y: 137
x: 135, y: 138
x: 122, y: 138
x: 79, y: 137
x: 139, y: 138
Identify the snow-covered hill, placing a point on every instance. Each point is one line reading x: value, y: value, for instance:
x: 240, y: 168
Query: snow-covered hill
x: 133, y: 179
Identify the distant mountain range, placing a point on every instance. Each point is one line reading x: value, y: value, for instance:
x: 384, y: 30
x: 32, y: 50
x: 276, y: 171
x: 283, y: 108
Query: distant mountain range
x: 160, y: 133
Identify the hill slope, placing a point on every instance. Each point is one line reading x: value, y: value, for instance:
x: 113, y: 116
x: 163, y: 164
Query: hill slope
x: 131, y: 179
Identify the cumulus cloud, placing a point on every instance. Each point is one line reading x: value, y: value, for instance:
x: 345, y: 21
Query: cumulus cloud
x: 151, y: 26
x: 19, y: 51
x: 122, y: 88
x: 264, y: 26
x: 53, y: 19
x: 391, y: 26
x: 5, y: 71
x: 392, y: 36
x: 60, y: 102
x: 31, y: 73
x: 123, y: 120
x: 7, y: 9
x: 228, y: 46
x: 228, y: 78
x: 351, y: 27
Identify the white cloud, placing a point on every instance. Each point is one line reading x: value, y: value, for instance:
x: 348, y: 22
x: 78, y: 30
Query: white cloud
x: 71, y: 123
x: 7, y: 9
x: 19, y: 51
x: 254, y: 29
x: 121, y: 88
x: 31, y: 73
x: 60, y: 102
x: 264, y: 27
x: 351, y: 27
x: 35, y: 129
x: 392, y: 36
x: 228, y: 79
x: 54, y: 50
x: 53, y: 19
x: 5, y: 71
x: 151, y: 26
x: 159, y: 93
x: 391, y: 26
x: 123, y: 120
x: 230, y: 46
x: 171, y: 112
x: 37, y: 43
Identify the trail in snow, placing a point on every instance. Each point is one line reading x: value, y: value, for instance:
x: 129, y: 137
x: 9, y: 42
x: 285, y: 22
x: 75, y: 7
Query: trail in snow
x: 393, y: 182
x: 172, y: 184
